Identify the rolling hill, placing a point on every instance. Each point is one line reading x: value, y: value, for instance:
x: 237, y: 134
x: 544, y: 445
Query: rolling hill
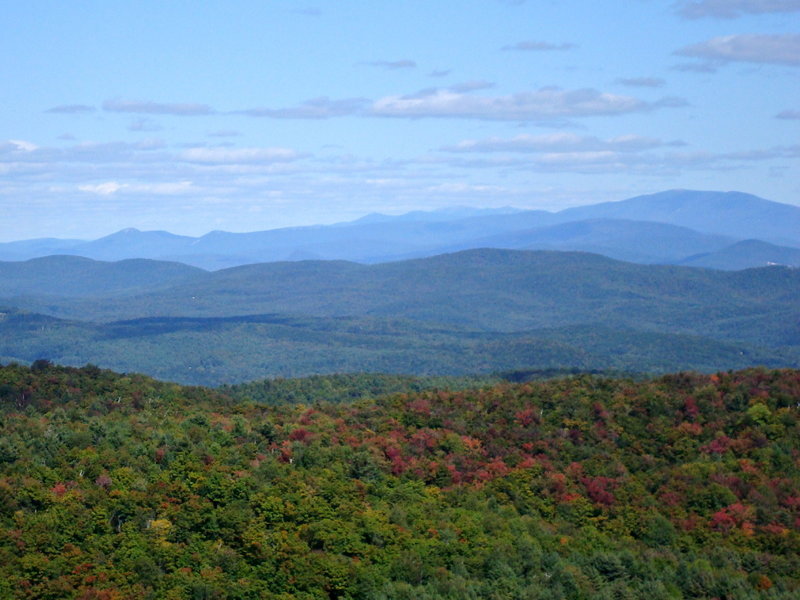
x: 78, y: 276
x: 214, y: 351
x: 746, y: 254
x: 493, y: 290
x: 475, y: 311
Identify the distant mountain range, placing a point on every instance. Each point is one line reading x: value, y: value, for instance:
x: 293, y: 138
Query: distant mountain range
x: 474, y: 311
x: 719, y: 230
x: 459, y: 291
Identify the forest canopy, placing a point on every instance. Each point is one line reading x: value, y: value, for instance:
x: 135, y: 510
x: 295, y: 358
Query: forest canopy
x: 121, y: 486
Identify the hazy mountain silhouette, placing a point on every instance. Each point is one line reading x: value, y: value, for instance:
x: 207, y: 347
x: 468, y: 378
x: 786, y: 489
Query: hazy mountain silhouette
x: 668, y: 227
x: 746, y: 254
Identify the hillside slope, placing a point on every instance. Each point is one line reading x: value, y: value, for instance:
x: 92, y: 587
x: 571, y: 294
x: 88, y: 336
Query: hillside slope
x: 747, y: 254
x: 474, y: 311
x: 493, y: 290
x: 118, y: 486
x: 77, y: 276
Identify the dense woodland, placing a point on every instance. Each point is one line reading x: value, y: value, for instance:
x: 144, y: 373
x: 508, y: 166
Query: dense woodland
x: 120, y: 486
x: 479, y: 311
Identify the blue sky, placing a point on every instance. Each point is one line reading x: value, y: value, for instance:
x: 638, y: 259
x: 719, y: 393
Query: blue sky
x: 248, y: 115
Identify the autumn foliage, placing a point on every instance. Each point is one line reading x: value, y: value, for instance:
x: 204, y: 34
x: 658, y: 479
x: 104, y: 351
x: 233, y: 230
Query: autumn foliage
x: 119, y: 486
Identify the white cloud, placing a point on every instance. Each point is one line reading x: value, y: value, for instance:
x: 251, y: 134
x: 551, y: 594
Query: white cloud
x: 158, y: 108
x: 71, y: 109
x: 19, y: 146
x: 652, y: 82
x: 543, y: 104
x: 461, y: 188
x: 699, y: 67
x: 471, y: 86
x: 768, y: 154
x: 238, y: 155
x: 144, y: 125
x: 222, y: 133
x: 315, y: 108
x: 731, y: 9
x: 583, y: 159
x: 559, y: 142
x: 392, y: 65
x: 109, y: 188
x: 536, y: 46
x: 162, y: 189
x: 783, y: 49
x: 102, y: 189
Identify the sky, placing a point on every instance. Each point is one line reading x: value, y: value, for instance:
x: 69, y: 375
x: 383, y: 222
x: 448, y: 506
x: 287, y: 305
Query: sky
x: 247, y: 115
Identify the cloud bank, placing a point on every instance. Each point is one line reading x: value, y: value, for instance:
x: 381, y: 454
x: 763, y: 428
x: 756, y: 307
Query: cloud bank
x: 543, y: 104
x: 156, y: 108
x: 392, y: 65
x: 315, y: 108
x: 71, y: 109
x: 781, y: 49
x: 732, y: 9
x: 650, y: 82
x: 559, y: 142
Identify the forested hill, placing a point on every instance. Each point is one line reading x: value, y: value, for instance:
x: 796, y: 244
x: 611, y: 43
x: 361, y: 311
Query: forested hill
x: 119, y: 486
x: 476, y: 311
x: 505, y: 290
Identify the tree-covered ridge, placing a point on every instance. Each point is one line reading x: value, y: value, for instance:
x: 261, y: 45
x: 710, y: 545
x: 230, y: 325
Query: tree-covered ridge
x: 480, y: 311
x: 119, y: 486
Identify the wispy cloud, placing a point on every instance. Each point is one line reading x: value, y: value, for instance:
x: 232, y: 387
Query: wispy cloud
x: 782, y: 49
x: 732, y: 9
x: 543, y: 104
x: 392, y: 65
x: 238, y: 155
x: 102, y: 189
x: 157, y: 108
x: 108, y: 188
x: 71, y: 109
x: 698, y: 67
x: 144, y: 125
x: 461, y: 188
x: 224, y: 133
x: 316, y: 108
x: 788, y: 114
x: 538, y: 46
x: 651, y: 82
x: 471, y: 86
x: 586, y: 161
x: 17, y: 146
x: 439, y: 73
x: 767, y: 154
x: 559, y: 142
